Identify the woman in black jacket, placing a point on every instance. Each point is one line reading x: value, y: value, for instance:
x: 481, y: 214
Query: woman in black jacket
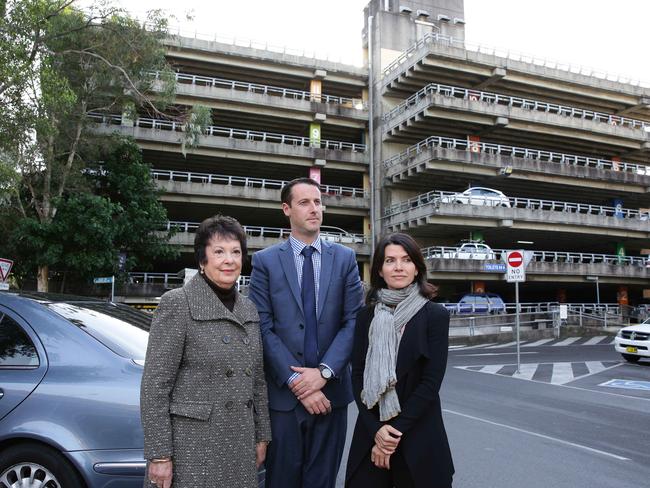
x: 398, y: 364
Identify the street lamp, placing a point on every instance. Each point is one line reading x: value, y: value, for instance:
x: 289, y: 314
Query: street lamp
x: 595, y: 278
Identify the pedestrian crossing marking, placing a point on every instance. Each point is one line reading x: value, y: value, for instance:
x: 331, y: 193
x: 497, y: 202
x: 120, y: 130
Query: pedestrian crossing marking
x: 594, y: 340
x: 538, y: 343
x: 570, y: 341
x: 559, y: 373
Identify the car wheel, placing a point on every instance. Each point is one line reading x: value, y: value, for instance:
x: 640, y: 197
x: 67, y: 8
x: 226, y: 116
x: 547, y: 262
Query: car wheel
x: 630, y: 358
x: 34, y: 465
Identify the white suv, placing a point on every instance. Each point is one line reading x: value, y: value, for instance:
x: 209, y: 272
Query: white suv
x: 478, y: 196
x: 633, y: 342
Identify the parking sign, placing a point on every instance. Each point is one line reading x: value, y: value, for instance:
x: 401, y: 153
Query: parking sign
x: 515, y: 269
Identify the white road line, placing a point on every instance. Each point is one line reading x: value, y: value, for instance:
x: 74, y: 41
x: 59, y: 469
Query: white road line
x: 562, y: 373
x: 478, y: 346
x: 461, y: 346
x: 541, y: 436
x: 538, y: 343
x: 491, y: 368
x: 495, y: 353
x: 594, y: 340
x: 507, y: 344
x: 568, y: 341
x: 595, y: 366
x: 526, y: 371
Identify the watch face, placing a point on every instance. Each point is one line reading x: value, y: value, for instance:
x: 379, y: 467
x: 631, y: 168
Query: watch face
x: 326, y: 373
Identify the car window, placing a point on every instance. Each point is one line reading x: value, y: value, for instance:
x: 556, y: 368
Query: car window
x: 123, y: 331
x: 481, y: 300
x: 16, y: 348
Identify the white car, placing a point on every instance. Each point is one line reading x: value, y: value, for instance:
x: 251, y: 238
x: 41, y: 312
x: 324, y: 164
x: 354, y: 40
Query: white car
x: 633, y: 342
x: 478, y: 196
x: 468, y: 250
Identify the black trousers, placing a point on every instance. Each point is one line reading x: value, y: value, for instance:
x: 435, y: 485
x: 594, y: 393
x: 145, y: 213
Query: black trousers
x: 368, y: 475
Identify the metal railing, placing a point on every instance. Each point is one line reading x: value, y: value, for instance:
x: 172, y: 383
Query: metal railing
x: 271, y: 232
x: 431, y: 38
x: 186, y: 78
x: 520, y: 152
x: 245, y: 181
x: 170, y: 279
x: 452, y: 198
x: 446, y: 252
x: 232, y: 133
x: 596, y: 309
x: 517, y: 102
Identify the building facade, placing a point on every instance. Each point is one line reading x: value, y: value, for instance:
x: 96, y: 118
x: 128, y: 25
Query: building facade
x: 557, y: 160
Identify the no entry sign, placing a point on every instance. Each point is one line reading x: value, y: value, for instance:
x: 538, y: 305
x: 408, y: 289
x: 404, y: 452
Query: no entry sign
x: 515, y: 270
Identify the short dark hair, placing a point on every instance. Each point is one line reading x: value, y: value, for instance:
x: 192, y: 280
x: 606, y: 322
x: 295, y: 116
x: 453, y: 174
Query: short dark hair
x: 222, y: 226
x: 285, y: 194
x: 412, y: 248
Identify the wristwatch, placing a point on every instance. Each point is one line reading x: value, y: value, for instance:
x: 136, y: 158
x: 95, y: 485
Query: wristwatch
x: 325, y: 372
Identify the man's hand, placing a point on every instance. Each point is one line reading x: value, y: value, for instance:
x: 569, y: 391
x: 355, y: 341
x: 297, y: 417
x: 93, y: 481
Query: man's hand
x: 309, y: 381
x: 379, y: 459
x: 160, y: 474
x: 317, y: 404
x: 387, y: 438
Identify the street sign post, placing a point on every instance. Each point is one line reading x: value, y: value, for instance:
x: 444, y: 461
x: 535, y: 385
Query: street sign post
x: 516, y: 273
x: 107, y: 279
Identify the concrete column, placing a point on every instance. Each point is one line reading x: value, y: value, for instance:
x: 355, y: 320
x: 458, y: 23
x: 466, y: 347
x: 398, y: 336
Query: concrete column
x: 314, y: 134
x: 315, y: 90
x: 365, y: 272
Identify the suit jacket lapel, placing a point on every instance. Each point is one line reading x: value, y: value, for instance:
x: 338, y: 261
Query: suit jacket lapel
x: 326, y: 264
x: 289, y: 267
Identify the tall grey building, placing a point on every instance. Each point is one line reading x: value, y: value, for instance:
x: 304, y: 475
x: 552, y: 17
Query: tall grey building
x: 556, y: 158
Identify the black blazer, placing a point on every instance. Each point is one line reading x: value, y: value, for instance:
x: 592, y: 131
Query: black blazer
x: 421, y: 364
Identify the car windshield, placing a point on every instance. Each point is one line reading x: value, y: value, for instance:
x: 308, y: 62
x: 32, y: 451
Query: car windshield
x: 123, y: 330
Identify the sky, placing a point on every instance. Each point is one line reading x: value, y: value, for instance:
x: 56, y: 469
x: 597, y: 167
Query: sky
x: 608, y: 36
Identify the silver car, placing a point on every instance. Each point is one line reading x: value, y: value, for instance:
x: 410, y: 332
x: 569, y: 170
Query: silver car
x: 478, y: 196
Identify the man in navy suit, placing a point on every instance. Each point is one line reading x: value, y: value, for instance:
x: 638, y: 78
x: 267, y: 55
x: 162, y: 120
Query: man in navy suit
x: 307, y: 292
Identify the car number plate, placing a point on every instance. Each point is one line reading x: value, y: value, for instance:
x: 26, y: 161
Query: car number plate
x: 631, y: 349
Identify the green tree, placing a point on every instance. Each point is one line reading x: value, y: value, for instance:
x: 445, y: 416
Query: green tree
x: 58, y: 66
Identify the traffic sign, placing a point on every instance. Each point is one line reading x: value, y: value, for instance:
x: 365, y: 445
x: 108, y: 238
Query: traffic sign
x: 5, y: 268
x: 108, y: 279
x: 515, y: 268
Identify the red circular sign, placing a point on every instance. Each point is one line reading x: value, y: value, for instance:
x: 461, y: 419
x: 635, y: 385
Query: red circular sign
x: 515, y: 259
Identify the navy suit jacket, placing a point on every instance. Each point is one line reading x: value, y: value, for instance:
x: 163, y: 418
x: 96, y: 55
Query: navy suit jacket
x: 275, y: 290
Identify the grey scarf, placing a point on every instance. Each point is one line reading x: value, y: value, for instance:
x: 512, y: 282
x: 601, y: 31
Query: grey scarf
x: 379, y: 375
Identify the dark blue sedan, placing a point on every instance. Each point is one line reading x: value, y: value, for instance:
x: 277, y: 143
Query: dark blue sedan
x: 70, y: 374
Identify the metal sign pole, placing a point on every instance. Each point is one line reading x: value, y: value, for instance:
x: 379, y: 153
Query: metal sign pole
x: 113, y: 292
x: 517, y: 323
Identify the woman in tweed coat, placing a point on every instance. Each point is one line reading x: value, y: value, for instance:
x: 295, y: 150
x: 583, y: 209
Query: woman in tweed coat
x: 203, y: 396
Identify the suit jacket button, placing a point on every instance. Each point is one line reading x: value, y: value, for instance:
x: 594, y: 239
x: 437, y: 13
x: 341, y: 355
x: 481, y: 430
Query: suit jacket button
x: 226, y: 339
x: 229, y: 404
x: 229, y: 372
x: 302, y: 326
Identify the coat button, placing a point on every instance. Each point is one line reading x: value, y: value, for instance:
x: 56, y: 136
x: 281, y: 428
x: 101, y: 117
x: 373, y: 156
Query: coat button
x: 248, y: 371
x: 229, y: 372
x: 226, y: 339
x: 246, y: 341
x: 229, y: 405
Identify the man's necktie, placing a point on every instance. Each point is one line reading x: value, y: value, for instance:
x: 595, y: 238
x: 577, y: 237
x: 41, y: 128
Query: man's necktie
x: 309, y: 307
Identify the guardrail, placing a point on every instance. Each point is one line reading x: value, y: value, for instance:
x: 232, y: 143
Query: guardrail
x: 231, y: 133
x: 447, y: 252
x: 483, y: 309
x: 451, y: 198
x: 430, y: 38
x: 272, y: 232
x: 517, y: 102
x: 186, y: 78
x: 170, y: 280
x: 520, y: 152
x: 245, y: 181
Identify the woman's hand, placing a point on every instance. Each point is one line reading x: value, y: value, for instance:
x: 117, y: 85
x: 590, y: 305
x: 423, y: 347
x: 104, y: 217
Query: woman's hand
x: 260, y: 453
x: 379, y: 459
x: 387, y: 438
x: 160, y: 474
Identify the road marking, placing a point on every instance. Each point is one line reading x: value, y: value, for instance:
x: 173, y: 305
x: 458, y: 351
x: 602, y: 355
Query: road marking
x: 595, y: 367
x: 594, y: 340
x: 538, y: 343
x: 568, y: 341
x: 526, y: 371
x: 491, y: 368
x: 541, y: 436
x: 507, y: 344
x: 494, y: 354
x: 627, y: 384
x: 562, y: 373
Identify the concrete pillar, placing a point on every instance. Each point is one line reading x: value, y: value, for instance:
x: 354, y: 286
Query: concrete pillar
x: 315, y: 90
x: 314, y: 134
x: 365, y: 272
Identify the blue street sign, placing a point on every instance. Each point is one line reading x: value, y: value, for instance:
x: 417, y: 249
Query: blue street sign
x: 108, y: 279
x: 494, y: 267
x: 627, y: 384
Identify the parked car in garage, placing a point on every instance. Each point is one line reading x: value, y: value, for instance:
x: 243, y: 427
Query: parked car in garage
x: 478, y: 196
x: 477, y: 303
x: 470, y: 250
x: 70, y: 371
x: 633, y: 342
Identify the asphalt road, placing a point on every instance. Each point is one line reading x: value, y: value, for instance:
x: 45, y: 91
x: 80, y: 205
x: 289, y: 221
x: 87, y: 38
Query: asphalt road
x: 553, y: 425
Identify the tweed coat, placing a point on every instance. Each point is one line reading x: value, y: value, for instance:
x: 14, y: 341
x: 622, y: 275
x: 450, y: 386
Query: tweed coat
x: 203, y: 395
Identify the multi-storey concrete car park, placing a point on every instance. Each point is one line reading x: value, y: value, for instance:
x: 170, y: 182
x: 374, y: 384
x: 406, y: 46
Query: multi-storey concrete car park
x: 428, y: 116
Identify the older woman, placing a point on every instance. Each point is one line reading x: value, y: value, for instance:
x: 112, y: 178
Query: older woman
x: 399, y: 359
x: 203, y: 396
